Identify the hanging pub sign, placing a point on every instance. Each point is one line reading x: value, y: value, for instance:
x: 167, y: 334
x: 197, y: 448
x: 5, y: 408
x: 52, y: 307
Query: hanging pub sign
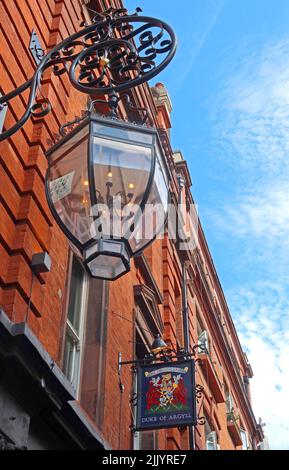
x: 166, y: 395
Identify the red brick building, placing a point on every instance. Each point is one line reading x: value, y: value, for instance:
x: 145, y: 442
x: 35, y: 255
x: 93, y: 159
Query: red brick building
x: 61, y: 332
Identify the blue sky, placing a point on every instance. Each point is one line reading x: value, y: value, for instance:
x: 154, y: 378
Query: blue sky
x: 229, y: 85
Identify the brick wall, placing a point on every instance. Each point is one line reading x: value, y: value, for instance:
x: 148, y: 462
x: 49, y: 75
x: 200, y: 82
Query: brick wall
x: 26, y: 225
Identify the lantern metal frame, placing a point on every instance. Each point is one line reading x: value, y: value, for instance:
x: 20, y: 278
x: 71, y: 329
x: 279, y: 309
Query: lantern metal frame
x: 113, y: 123
x: 103, y: 252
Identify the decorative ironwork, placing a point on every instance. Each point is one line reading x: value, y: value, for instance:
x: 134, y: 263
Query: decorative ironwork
x: 69, y: 126
x: 199, y: 348
x: 201, y: 421
x: 133, y: 399
x: 115, y: 53
x: 199, y: 392
x: 232, y: 416
x: 200, y: 396
x: 35, y: 48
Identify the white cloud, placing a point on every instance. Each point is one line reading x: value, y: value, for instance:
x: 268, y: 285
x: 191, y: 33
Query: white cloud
x: 251, y: 125
x: 265, y: 338
x: 253, y: 113
x: 270, y: 389
x: 262, y: 213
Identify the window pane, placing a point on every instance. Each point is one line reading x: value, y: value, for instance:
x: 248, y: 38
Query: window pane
x: 229, y: 403
x: 107, y: 267
x: 75, y: 320
x: 244, y: 439
x: 203, y: 341
x: 211, y: 441
x: 124, y: 134
x: 94, y: 351
x: 71, y: 360
x: 76, y: 295
x: 121, y: 172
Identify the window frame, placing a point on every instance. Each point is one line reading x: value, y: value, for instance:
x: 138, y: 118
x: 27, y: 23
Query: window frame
x: 205, y: 343
x: 212, y: 434
x: 229, y: 400
x: 243, y: 432
x: 70, y: 331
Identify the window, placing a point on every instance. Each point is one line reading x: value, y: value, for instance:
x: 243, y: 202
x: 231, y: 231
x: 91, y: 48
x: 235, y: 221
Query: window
x: 211, y: 437
x: 203, y: 342
x: 246, y: 383
x: 211, y: 441
x: 92, y: 396
x: 75, y: 323
x: 84, y: 344
x: 244, y: 438
x: 229, y: 402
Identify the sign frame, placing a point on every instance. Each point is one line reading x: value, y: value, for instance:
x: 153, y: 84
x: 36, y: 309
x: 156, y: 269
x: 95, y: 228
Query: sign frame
x: 142, y: 389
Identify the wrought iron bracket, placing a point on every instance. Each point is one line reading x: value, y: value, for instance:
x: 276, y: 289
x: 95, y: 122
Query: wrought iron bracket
x: 164, y: 356
x: 133, y: 400
x: 115, y: 53
x: 200, y: 392
x: 133, y: 429
x: 200, y: 395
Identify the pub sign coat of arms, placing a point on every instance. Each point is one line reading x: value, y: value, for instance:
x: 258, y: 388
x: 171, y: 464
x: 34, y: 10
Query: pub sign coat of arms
x: 166, y: 395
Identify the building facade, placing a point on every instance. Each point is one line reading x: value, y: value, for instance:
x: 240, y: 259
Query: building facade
x: 61, y: 332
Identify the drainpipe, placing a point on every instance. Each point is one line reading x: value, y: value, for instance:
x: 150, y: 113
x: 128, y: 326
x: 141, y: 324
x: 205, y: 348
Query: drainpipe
x: 185, y: 313
x: 185, y: 310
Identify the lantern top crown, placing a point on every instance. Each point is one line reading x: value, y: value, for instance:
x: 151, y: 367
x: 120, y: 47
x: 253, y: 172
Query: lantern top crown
x: 105, y: 126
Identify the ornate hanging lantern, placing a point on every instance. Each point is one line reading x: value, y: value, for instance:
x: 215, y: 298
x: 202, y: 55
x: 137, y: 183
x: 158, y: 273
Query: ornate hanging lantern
x: 107, y: 187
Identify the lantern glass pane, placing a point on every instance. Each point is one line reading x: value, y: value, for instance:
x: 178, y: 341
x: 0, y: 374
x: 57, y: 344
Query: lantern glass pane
x: 107, y: 267
x: 121, y: 172
x: 69, y: 185
x: 123, y: 133
x: 154, y: 216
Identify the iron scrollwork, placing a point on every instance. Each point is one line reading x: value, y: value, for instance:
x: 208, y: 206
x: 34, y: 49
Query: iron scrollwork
x: 115, y: 53
x: 201, y: 421
x: 133, y: 400
x: 200, y: 394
